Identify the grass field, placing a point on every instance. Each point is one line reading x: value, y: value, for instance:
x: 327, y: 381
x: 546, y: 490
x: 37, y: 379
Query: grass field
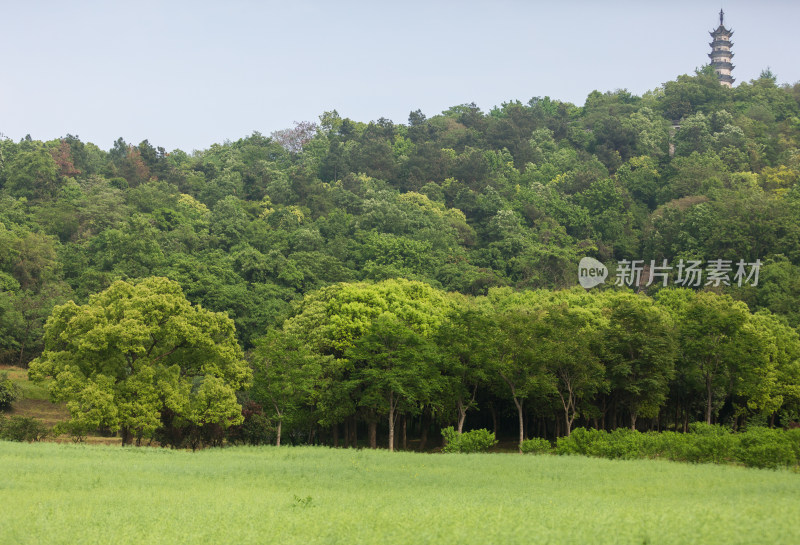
x: 79, y: 494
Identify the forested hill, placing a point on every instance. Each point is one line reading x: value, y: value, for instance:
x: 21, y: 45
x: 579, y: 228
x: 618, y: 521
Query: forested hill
x: 464, y: 201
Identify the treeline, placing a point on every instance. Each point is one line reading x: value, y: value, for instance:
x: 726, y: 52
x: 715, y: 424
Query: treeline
x: 464, y: 201
x: 400, y: 351
x: 400, y: 358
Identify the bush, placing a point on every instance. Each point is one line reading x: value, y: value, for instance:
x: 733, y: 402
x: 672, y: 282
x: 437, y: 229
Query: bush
x: 756, y: 447
x: 708, y: 443
x: 581, y: 441
x: 471, y: 441
x: 793, y: 437
x: 22, y: 428
x: 537, y: 445
x: 76, y: 430
x: 9, y: 392
x: 765, y: 448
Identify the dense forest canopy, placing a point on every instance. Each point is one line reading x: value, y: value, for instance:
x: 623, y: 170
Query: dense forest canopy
x: 465, y: 201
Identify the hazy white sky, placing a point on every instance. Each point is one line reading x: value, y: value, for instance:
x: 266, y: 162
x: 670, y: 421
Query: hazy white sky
x: 188, y: 74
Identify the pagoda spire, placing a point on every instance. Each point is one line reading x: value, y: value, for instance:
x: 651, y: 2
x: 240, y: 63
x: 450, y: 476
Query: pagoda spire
x: 721, y: 54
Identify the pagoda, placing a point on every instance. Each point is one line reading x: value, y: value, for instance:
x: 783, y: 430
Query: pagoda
x: 721, y: 52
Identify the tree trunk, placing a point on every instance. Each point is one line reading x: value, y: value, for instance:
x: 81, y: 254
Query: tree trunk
x: 336, y: 435
x: 373, y: 434
x: 633, y: 421
x: 462, y: 415
x: 494, y: 418
x: 125, y: 433
x: 405, y: 434
x: 278, y: 433
x: 525, y: 426
x: 521, y: 423
x: 346, y: 432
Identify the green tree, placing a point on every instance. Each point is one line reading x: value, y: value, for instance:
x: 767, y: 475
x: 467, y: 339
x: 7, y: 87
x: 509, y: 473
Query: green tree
x: 569, y: 345
x: 517, y: 358
x: 394, y: 367
x: 32, y: 174
x: 639, y: 353
x: 285, y: 371
x: 137, y: 351
x: 465, y: 348
x: 710, y: 347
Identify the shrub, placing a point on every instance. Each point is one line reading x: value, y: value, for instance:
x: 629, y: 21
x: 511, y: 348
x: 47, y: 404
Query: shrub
x: 471, y: 441
x: 766, y: 448
x: 22, y: 428
x: 537, y: 445
x: 581, y: 441
x: 708, y: 443
x: 76, y: 430
x: 9, y: 392
x: 793, y: 437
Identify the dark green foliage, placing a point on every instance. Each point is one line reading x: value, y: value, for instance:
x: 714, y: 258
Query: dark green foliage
x: 256, y: 428
x: 22, y: 428
x: 470, y: 441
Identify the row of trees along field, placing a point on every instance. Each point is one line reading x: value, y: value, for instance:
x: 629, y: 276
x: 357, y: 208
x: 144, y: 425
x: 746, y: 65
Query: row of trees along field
x: 464, y: 201
x: 139, y: 358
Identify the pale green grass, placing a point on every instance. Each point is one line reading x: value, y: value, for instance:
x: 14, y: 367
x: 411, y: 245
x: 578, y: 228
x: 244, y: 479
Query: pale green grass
x: 29, y: 390
x: 75, y: 494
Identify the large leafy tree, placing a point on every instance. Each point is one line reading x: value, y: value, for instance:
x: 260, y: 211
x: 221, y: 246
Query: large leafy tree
x: 285, y: 373
x: 393, y: 368
x: 465, y: 347
x: 639, y: 352
x: 332, y: 320
x: 569, y: 345
x: 140, y: 352
x: 711, y: 351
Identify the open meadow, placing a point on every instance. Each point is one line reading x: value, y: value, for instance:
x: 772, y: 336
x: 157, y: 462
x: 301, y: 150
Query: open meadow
x: 79, y: 494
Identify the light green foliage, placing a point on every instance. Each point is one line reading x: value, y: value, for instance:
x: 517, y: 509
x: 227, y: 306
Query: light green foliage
x: 136, y: 350
x: 754, y: 447
x: 261, y: 495
x: 639, y: 351
x: 32, y: 174
x: 713, y: 342
x: 471, y: 441
x: 331, y: 319
x: 537, y: 445
x: 9, y: 392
